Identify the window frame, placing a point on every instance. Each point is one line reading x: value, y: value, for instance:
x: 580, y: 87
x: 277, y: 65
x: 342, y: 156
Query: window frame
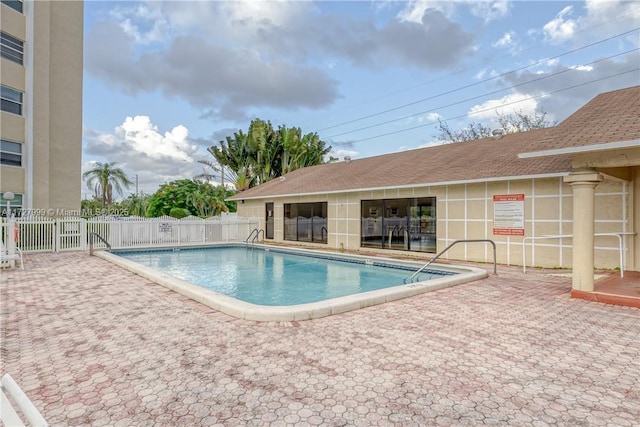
x: 315, y: 223
x: 17, y: 5
x: 4, y: 151
x: 11, y: 48
x: 6, y: 100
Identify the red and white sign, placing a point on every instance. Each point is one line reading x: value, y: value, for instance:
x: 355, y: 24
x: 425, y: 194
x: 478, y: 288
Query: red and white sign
x: 508, y: 215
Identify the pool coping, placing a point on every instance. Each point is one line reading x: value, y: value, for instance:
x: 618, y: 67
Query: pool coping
x: 308, y: 311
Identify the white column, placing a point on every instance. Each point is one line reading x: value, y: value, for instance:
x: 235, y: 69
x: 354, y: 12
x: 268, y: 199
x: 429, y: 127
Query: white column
x: 583, y: 184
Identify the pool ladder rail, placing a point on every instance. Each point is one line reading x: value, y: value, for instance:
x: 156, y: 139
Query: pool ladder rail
x: 412, y: 278
x: 254, y: 235
x: 99, y: 238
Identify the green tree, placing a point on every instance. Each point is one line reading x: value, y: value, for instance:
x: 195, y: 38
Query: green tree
x: 170, y: 195
x: 510, y: 123
x: 233, y: 152
x: 300, y: 151
x: 90, y: 207
x: 104, y: 178
x: 265, y: 153
x: 209, y: 200
x: 179, y: 213
x: 136, y: 204
x: 266, y: 148
x: 198, y: 198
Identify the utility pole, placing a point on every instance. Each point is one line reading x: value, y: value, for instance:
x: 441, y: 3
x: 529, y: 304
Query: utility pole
x: 136, y: 185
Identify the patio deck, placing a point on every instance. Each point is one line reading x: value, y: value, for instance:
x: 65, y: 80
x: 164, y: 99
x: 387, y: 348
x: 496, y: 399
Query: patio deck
x: 92, y: 344
x: 613, y: 289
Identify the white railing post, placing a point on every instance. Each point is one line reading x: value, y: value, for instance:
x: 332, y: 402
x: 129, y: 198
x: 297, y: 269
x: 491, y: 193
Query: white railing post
x: 12, y: 237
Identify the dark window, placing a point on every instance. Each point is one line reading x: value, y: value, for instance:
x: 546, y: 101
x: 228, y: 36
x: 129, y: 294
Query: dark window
x: 14, y: 4
x: 11, y: 48
x: 306, y: 222
x: 11, y: 100
x: 10, y: 153
x: 402, y: 224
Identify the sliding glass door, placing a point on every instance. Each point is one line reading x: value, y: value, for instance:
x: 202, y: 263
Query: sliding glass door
x: 306, y: 222
x: 401, y: 224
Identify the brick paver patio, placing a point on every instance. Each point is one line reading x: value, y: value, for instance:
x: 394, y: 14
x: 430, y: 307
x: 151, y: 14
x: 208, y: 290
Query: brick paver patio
x: 92, y: 344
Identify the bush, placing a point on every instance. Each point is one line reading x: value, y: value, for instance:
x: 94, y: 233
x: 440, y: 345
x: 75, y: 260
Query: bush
x: 179, y: 213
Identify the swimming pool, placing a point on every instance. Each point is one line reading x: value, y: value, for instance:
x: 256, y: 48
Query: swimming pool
x: 274, y: 284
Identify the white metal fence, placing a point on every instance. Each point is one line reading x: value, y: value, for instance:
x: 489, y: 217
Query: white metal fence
x: 72, y: 234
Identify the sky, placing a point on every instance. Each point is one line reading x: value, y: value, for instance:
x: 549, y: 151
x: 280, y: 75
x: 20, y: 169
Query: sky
x: 165, y: 80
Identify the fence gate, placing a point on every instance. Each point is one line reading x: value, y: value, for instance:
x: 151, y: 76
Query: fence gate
x: 70, y: 234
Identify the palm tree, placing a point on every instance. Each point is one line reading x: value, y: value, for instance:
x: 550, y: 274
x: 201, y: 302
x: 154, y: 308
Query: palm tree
x: 265, y: 153
x: 103, y: 178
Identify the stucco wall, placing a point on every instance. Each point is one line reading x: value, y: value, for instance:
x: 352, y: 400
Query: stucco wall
x: 50, y: 127
x: 57, y: 124
x: 465, y: 211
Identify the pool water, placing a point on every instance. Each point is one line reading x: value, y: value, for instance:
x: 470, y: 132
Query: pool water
x: 274, y: 277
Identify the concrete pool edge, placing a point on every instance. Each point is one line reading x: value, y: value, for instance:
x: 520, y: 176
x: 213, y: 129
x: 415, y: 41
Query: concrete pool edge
x: 314, y: 310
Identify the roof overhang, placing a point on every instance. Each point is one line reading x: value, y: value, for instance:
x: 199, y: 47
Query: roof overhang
x: 239, y: 196
x: 582, y: 149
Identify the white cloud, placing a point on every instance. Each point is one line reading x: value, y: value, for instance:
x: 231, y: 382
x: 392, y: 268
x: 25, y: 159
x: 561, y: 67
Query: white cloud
x: 141, y: 135
x: 509, y: 43
x: 505, y: 105
x: 560, y: 28
x: 582, y: 67
x: 429, y: 118
x: 603, y: 76
x: 415, y: 9
x: 602, y: 19
x: 490, y: 10
x: 141, y: 149
x: 228, y: 59
x: 606, y: 16
x: 485, y: 74
x: 486, y: 10
x: 144, y: 24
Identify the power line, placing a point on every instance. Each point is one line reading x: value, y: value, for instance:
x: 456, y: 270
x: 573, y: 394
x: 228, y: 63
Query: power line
x: 479, y: 96
x: 508, y: 103
x: 478, y: 82
x: 564, y: 37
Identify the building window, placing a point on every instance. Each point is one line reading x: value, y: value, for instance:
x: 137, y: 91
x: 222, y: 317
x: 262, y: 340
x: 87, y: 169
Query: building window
x: 306, y: 222
x: 11, y: 100
x: 11, y: 48
x: 10, y: 153
x: 14, y: 4
x: 15, y: 205
x: 401, y: 224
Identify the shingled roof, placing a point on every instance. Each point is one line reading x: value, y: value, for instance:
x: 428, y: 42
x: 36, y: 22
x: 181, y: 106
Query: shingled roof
x: 613, y: 116
x: 609, y: 117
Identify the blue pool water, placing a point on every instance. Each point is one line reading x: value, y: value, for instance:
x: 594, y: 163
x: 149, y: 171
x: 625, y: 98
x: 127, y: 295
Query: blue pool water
x: 274, y: 277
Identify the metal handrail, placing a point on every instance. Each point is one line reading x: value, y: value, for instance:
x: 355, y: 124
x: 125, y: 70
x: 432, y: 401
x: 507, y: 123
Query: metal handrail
x: 100, y: 238
x: 257, y: 232
x: 322, y: 231
x: 495, y: 265
x: 570, y: 236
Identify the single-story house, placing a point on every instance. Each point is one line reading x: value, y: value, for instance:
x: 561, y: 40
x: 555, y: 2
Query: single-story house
x: 565, y: 196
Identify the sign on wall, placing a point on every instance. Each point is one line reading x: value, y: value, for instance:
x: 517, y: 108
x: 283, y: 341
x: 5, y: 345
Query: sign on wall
x: 508, y: 214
